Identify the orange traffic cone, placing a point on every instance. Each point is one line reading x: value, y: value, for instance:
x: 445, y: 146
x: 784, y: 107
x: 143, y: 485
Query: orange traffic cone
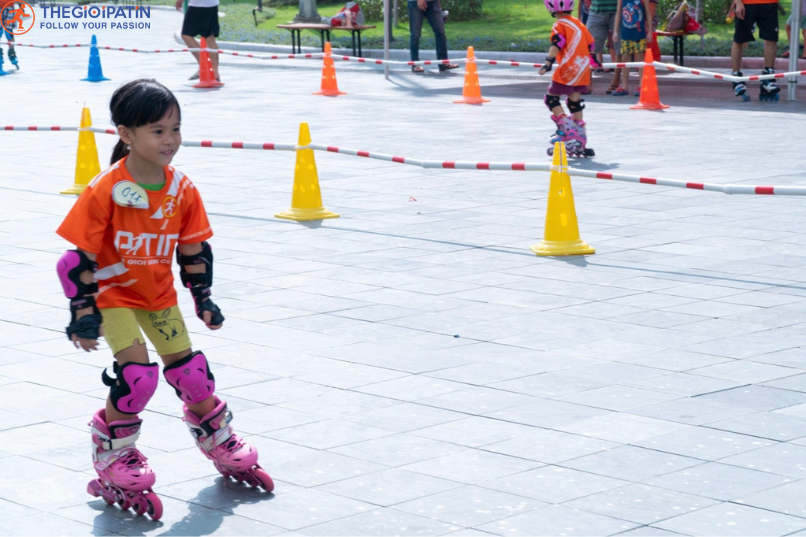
x: 650, y: 100
x: 330, y: 87
x: 206, y: 75
x: 471, y: 93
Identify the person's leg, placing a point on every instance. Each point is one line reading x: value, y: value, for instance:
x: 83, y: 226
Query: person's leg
x: 434, y: 15
x: 415, y: 28
x: 625, y: 72
x: 770, y: 51
x: 191, y: 42
x: 575, y: 97
x: 211, y: 43
x: 138, y: 354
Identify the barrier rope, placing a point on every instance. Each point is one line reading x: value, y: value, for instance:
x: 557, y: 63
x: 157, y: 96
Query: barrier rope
x: 762, y: 190
x: 372, y: 61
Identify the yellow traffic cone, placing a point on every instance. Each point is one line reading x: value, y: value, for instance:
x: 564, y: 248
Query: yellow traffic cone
x: 306, y: 199
x: 561, y: 235
x: 87, y: 165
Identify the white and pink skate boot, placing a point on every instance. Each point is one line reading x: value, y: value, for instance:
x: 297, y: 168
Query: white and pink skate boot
x: 231, y: 455
x: 124, y: 477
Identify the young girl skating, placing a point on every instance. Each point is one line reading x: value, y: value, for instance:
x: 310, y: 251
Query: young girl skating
x: 126, y: 226
x: 572, y: 49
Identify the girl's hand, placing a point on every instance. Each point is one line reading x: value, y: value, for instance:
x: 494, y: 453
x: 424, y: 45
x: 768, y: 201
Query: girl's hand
x: 422, y: 4
x: 208, y: 317
x: 542, y: 71
x: 179, y: 5
x: 86, y: 345
x: 649, y: 37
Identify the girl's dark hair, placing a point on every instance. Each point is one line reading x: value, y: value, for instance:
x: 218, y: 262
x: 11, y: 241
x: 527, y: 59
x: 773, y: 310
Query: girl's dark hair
x: 139, y: 103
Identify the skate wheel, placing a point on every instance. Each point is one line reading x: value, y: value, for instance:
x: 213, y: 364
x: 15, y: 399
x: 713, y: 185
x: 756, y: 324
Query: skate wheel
x: 263, y: 479
x: 154, y: 506
x: 550, y: 151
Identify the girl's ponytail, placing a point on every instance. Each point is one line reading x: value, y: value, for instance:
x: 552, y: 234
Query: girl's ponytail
x: 120, y: 151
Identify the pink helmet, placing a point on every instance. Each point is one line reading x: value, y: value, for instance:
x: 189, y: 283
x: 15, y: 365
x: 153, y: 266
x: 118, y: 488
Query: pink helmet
x: 555, y: 6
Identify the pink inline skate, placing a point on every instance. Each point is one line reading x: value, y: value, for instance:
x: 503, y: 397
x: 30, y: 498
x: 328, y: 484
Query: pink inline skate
x: 581, y: 135
x: 566, y: 133
x: 124, y: 477
x: 231, y: 455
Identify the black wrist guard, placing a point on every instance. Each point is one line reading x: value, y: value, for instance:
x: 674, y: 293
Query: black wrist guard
x: 199, y: 283
x: 549, y: 64
x: 88, y: 327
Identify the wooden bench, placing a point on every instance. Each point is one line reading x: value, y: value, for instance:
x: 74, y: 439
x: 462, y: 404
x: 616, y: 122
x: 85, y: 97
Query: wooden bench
x: 324, y: 34
x: 677, y: 42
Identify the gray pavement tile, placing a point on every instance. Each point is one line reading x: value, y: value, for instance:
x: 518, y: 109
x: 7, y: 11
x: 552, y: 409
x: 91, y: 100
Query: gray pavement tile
x: 631, y: 463
x: 475, y: 431
x: 327, y: 434
x: 789, y: 499
x: 548, y: 413
x: 391, y: 487
x: 622, y: 428
x: 214, y: 492
x: 469, y: 506
x: 554, y: 484
x: 642, y: 504
x: 558, y: 520
x: 398, y: 450
x: 691, y: 411
x: 618, y: 398
x: 772, y: 425
x: 794, y: 410
x: 485, y: 373
x: 649, y: 531
x: 412, y: 387
x: 10, y: 510
x: 746, y: 372
x: 549, y: 446
x: 48, y: 524
x: 179, y: 518
x: 321, y: 467
x: 263, y: 419
x: 786, y: 358
x: 796, y: 383
x: 718, y: 481
x: 684, y: 384
x: 380, y: 522
x: 782, y: 459
x: 40, y: 485
x: 404, y: 417
x: 704, y: 443
x: 472, y: 466
x: 732, y: 519
x: 477, y: 400
x: 293, y: 510
x: 338, y: 403
x: 757, y: 398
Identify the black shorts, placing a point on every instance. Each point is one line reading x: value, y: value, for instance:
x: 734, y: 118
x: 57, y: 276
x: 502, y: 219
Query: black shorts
x: 764, y: 15
x: 202, y: 22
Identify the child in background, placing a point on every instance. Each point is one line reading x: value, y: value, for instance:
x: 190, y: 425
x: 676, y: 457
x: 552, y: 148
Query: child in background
x: 634, y: 31
x: 572, y: 49
x: 126, y: 226
x: 9, y: 24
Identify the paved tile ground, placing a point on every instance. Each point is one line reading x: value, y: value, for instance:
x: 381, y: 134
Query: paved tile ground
x: 411, y: 368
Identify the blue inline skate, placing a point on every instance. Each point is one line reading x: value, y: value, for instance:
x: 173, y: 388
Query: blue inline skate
x: 769, y: 88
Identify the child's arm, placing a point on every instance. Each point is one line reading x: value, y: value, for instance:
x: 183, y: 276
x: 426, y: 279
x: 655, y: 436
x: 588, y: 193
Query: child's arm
x: 617, y: 26
x: 196, y: 271
x: 648, y: 19
x: 550, y: 57
x: 76, y: 269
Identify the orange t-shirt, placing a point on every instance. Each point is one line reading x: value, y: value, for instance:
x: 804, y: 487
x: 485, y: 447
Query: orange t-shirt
x: 135, y: 247
x: 573, y: 60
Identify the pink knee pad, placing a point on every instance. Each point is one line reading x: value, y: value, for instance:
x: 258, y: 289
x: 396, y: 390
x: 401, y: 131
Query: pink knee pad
x: 134, y: 386
x: 191, y: 378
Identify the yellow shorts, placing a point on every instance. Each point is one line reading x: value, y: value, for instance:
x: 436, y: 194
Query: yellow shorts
x: 165, y: 329
x: 633, y: 47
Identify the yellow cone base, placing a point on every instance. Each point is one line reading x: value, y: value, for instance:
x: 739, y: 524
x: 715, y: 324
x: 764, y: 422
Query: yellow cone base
x: 74, y: 190
x: 304, y: 215
x: 551, y: 248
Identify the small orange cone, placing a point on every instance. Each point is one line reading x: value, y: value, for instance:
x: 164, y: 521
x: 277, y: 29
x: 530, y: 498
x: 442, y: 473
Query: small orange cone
x: 330, y: 87
x: 206, y: 75
x: 650, y: 100
x: 471, y: 93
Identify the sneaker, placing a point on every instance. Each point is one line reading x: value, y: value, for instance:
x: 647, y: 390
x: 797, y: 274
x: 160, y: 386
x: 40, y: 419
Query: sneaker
x: 448, y: 66
x: 194, y: 77
x: 637, y: 93
x: 620, y: 92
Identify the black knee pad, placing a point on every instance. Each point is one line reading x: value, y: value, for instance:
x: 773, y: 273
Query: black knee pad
x: 574, y: 106
x: 552, y: 101
x: 134, y: 386
x: 191, y: 378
